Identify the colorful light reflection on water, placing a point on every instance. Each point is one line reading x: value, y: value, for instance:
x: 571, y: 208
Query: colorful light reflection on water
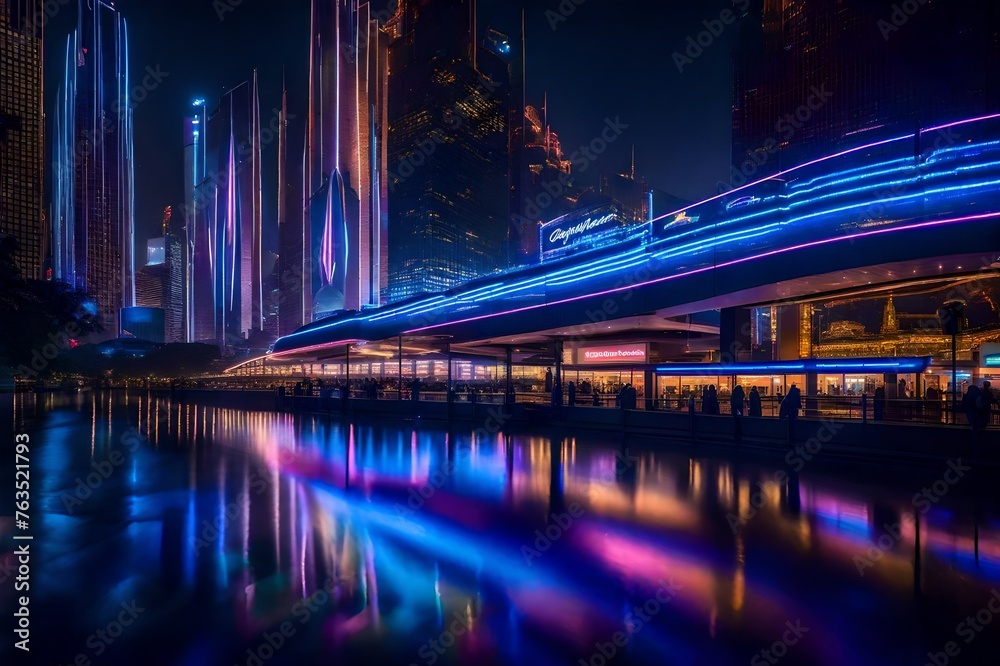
x: 412, y: 544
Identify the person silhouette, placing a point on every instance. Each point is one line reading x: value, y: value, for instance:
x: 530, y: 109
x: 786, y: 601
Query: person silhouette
x: 736, y: 401
x: 755, y: 406
x: 791, y: 404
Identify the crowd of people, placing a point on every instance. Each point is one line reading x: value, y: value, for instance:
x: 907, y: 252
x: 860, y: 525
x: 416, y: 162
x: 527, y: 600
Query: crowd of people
x: 977, y: 402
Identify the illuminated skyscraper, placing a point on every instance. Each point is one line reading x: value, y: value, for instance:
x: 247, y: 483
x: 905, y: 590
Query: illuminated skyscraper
x: 630, y: 192
x: 448, y: 151
x: 160, y: 283
x: 224, y: 220
x: 93, y: 188
x: 193, y: 217
x: 814, y: 75
x: 343, y: 250
x: 294, y: 303
x: 21, y: 132
x: 545, y: 178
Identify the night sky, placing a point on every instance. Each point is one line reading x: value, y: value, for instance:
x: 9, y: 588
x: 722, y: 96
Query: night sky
x: 609, y: 58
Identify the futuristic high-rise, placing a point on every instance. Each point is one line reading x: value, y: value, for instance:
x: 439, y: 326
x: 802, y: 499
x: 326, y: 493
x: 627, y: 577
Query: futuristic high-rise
x: 813, y: 75
x: 448, y: 151
x: 195, y: 158
x: 93, y: 188
x: 545, y: 183
x: 224, y: 220
x: 21, y: 134
x: 160, y: 282
x: 345, y: 155
x: 294, y: 303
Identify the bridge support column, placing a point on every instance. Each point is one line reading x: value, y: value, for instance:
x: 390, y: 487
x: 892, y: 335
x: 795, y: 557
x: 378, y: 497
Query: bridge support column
x: 448, y: 393
x: 810, y: 391
x: 794, y: 332
x: 649, y: 389
x: 734, y: 335
x: 557, y: 383
x: 509, y: 398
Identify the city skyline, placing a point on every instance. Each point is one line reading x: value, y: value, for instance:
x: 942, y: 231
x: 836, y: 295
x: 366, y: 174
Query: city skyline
x: 479, y: 332
x: 402, y: 175
x: 159, y: 164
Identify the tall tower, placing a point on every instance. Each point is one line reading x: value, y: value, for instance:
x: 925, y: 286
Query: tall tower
x: 890, y: 321
x: 448, y: 150
x: 813, y: 76
x: 160, y: 282
x: 22, y: 138
x: 195, y: 156
x: 226, y: 223
x: 542, y: 166
x: 294, y: 303
x: 345, y: 147
x: 93, y: 178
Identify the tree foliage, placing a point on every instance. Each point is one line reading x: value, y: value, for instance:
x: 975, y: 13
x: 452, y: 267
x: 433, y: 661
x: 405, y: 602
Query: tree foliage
x: 40, y: 319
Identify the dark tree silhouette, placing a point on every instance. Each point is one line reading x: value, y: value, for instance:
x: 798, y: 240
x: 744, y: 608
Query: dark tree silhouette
x: 39, y: 318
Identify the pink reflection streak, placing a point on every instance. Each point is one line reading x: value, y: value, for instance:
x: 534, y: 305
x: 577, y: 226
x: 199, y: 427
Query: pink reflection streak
x: 702, y: 591
x: 648, y: 565
x: 341, y: 628
x: 557, y: 612
x: 950, y: 544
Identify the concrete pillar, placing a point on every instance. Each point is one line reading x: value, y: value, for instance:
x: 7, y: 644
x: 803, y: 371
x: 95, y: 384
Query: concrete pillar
x: 509, y: 386
x: 794, y: 332
x: 557, y: 380
x: 809, y: 392
x: 734, y: 335
x: 649, y: 390
x: 447, y: 390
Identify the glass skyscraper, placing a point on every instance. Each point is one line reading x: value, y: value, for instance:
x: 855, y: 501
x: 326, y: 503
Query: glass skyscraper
x: 21, y: 132
x: 294, y: 304
x: 93, y: 188
x: 448, y: 151
x: 812, y: 76
x: 343, y: 250
x: 160, y: 282
x: 199, y: 324
x: 225, y: 220
x: 544, y: 182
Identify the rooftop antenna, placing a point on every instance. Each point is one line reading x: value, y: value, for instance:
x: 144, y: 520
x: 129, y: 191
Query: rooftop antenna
x: 524, y: 86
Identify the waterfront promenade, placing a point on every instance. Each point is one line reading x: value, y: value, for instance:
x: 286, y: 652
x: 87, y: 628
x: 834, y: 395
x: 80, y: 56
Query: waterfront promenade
x: 846, y: 438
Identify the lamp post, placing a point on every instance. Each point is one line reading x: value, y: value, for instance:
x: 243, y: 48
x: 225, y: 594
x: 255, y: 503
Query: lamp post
x: 951, y: 315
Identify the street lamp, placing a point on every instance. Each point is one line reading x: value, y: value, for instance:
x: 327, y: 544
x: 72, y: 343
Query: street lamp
x: 951, y: 315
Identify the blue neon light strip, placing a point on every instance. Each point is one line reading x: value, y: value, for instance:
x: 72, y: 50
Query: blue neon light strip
x: 804, y: 366
x: 572, y: 271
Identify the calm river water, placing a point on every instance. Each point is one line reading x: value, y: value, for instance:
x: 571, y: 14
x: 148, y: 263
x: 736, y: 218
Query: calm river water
x: 178, y: 534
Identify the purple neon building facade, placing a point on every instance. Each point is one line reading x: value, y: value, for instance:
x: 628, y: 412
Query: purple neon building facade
x: 195, y: 157
x: 224, y: 219
x: 345, y: 194
x: 93, y: 168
